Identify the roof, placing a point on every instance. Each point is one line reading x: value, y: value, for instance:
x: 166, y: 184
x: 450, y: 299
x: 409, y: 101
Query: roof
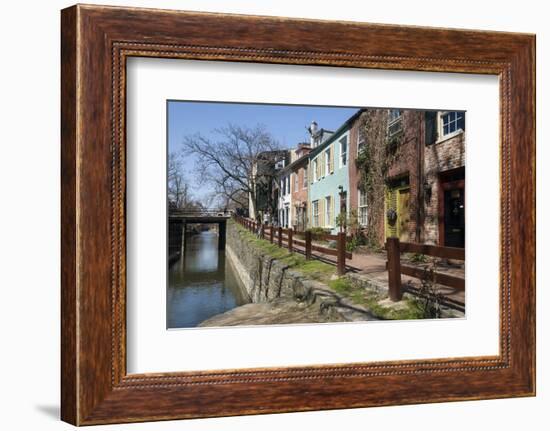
x: 333, y: 137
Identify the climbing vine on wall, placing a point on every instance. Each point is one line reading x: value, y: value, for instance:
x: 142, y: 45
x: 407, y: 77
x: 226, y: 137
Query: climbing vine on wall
x: 373, y: 161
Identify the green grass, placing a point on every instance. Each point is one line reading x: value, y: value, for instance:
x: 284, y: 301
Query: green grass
x: 370, y: 300
x: 324, y: 272
x: 314, y: 269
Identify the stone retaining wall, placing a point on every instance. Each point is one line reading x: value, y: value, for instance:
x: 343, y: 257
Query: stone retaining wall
x: 265, y: 279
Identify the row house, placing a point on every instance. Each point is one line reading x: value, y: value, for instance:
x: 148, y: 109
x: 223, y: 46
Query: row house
x: 424, y: 199
x: 266, y: 168
x: 444, y: 160
x: 299, y: 187
x: 329, y: 193
x: 423, y: 186
x: 424, y: 175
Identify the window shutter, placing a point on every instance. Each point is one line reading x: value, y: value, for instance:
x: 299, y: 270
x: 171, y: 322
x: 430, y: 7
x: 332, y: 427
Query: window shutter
x: 331, y: 162
x: 321, y: 212
x: 431, y: 127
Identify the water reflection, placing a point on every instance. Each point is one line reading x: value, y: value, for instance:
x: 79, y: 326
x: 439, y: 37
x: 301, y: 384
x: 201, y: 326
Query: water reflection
x: 201, y: 284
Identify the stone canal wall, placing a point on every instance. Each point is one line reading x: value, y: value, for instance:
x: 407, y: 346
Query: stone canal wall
x: 267, y: 280
x: 262, y: 277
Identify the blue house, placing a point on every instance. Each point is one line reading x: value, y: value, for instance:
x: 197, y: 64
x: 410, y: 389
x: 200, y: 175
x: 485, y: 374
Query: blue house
x: 329, y: 179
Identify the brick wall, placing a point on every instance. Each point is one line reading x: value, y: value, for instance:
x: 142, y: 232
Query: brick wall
x: 439, y: 157
x: 404, y: 162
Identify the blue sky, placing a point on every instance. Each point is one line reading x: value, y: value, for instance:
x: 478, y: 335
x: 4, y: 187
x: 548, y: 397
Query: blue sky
x: 286, y: 123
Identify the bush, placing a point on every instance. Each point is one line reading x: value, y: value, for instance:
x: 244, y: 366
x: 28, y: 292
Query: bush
x: 318, y: 230
x: 355, y: 241
x: 418, y: 258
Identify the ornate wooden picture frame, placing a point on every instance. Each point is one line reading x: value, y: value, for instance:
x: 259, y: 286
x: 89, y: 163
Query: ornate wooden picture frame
x: 96, y: 42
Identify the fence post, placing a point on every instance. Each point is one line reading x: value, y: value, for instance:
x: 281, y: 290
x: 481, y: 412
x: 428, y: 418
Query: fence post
x: 341, y: 256
x: 280, y: 236
x: 271, y: 234
x: 394, y: 269
x: 290, y: 239
x: 308, y: 244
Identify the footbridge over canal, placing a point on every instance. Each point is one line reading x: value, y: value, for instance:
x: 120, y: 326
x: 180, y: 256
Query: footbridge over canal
x: 179, y: 219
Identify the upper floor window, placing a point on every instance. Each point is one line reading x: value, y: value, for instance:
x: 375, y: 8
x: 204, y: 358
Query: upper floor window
x: 343, y: 151
x: 315, y: 169
x: 287, y: 184
x: 328, y: 161
x: 295, y: 181
x: 305, y: 177
x: 451, y: 122
x: 395, y: 123
x: 361, y: 143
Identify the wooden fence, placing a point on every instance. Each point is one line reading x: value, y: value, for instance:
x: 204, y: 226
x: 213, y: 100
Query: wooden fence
x: 292, y: 239
x: 394, y: 249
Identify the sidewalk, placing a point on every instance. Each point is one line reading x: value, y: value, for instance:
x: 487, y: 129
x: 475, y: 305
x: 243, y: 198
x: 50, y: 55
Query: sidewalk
x: 373, y: 267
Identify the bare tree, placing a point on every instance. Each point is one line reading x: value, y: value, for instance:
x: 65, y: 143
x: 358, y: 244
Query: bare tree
x: 178, y: 189
x: 230, y: 163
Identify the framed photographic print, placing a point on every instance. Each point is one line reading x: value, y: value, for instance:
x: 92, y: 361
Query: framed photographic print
x: 264, y: 214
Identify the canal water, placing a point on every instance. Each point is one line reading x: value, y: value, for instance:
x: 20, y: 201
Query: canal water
x: 201, y: 284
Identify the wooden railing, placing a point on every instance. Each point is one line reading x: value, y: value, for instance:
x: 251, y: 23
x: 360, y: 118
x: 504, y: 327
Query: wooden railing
x: 394, y: 249
x: 289, y: 238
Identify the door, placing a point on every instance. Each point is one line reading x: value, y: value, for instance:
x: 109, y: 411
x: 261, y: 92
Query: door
x: 454, y: 225
x: 397, y: 199
x: 403, y: 214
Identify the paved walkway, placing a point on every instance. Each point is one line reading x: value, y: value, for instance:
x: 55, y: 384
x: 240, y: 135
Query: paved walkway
x: 373, y: 266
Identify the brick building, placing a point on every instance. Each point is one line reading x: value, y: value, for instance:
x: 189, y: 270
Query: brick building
x: 299, y: 187
x: 444, y: 178
x: 423, y: 169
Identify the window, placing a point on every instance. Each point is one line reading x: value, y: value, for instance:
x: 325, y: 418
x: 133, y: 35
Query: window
x: 343, y: 151
x: 315, y: 170
x: 362, y: 215
x: 361, y: 142
x: 287, y: 178
x: 328, y: 211
x: 287, y: 220
x: 305, y: 177
x: 282, y: 186
x: 315, y: 213
x: 395, y: 122
x: 328, y: 161
x: 295, y: 181
x: 452, y: 122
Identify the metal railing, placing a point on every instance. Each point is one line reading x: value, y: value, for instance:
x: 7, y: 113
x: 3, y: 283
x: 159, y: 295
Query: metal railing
x: 201, y: 212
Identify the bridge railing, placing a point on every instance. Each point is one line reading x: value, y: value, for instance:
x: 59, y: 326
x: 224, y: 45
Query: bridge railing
x: 201, y: 212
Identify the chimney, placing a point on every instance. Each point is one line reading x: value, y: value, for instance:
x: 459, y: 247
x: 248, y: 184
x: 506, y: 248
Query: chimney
x: 312, y: 129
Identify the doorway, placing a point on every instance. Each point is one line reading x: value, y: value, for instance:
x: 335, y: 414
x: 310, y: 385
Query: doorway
x: 452, y: 227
